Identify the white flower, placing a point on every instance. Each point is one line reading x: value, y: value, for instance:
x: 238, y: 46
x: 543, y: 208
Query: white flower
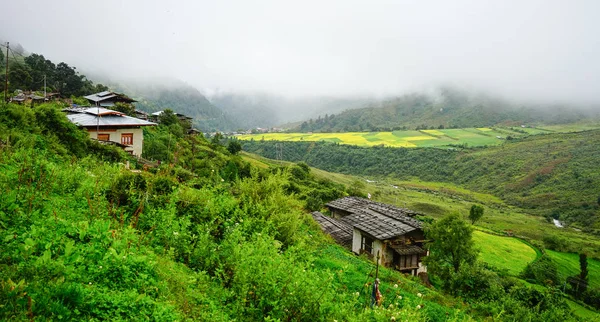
x: 399, y: 297
x: 356, y: 294
x: 395, y: 285
x: 419, y: 306
x: 90, y: 283
x: 222, y: 180
x: 419, y: 295
x: 393, y: 318
x: 100, y: 266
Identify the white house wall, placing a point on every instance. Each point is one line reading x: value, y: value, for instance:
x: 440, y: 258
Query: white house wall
x: 115, y: 136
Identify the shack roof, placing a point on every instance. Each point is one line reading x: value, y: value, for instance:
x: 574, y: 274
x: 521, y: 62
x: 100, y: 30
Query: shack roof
x: 340, y: 231
x: 379, y: 220
x: 409, y: 249
x: 177, y: 114
x: 107, y: 95
x: 378, y: 225
x: 103, y: 117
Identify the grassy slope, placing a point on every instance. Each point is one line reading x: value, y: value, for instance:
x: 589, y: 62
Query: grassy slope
x: 568, y: 265
x: 548, y: 175
x: 438, y: 199
x: 504, y: 252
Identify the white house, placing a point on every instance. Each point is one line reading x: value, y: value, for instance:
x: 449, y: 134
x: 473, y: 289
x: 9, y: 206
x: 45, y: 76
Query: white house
x: 107, y: 125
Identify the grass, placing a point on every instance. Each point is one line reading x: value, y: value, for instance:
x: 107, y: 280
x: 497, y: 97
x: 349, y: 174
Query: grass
x: 506, y: 253
x: 583, y: 312
x: 568, y: 265
x: 423, y: 138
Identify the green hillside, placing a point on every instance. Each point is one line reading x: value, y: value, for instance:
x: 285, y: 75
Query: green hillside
x: 553, y: 175
x: 450, y: 108
x: 209, y: 237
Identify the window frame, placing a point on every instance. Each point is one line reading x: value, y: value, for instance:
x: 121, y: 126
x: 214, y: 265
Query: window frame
x: 100, y: 136
x: 127, y: 135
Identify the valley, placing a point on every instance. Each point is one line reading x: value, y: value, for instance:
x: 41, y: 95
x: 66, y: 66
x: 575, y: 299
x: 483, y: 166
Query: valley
x: 441, y: 138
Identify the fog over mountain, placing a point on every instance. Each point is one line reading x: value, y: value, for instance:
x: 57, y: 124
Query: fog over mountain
x: 542, y: 51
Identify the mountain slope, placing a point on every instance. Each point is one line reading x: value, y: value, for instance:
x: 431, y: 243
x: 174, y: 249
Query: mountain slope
x: 268, y: 110
x: 449, y: 108
x: 552, y: 175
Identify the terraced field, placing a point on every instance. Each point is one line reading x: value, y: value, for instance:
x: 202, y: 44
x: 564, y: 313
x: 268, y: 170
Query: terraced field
x: 423, y: 138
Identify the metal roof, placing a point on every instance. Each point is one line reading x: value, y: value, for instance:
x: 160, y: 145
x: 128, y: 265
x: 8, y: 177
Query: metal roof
x: 102, y: 96
x: 102, y: 111
x: 177, y: 114
x: 90, y: 118
x: 340, y: 231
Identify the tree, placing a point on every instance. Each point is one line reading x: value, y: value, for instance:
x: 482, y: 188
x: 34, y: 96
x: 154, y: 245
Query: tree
x: 234, y: 147
x: 451, y: 246
x: 475, y: 214
x: 168, y: 117
x: 126, y: 108
x: 583, y: 266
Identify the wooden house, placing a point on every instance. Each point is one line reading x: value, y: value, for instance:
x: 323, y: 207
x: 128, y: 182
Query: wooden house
x: 368, y: 227
x: 108, y: 99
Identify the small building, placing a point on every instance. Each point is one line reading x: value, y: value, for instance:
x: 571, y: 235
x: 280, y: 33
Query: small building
x: 108, y: 99
x: 369, y: 227
x: 111, y: 126
x: 184, y: 118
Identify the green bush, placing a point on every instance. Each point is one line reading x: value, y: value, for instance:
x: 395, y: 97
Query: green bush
x: 542, y: 271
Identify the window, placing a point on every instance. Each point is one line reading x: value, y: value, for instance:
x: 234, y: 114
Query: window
x: 367, y: 244
x: 127, y: 138
x: 103, y: 137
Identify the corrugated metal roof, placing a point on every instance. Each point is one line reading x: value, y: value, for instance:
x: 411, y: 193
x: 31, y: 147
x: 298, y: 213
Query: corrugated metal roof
x: 102, y: 111
x: 89, y: 118
x: 102, y: 96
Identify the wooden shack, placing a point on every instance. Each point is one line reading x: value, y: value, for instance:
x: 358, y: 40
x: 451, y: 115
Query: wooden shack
x: 374, y: 227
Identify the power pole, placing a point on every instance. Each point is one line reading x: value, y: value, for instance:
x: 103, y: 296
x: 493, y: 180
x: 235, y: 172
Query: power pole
x: 6, y: 76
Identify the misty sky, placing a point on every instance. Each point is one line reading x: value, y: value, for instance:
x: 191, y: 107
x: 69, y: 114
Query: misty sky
x: 547, y: 50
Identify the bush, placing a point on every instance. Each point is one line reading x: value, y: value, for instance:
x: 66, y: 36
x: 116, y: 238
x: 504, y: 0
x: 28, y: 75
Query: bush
x: 542, y: 271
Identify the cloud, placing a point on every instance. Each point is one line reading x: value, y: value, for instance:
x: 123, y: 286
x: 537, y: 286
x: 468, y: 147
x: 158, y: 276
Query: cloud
x: 543, y: 50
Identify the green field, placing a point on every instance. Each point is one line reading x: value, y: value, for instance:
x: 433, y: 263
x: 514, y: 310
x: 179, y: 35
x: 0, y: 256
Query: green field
x: 568, y: 265
x: 407, y: 139
x: 423, y: 138
x: 504, y: 252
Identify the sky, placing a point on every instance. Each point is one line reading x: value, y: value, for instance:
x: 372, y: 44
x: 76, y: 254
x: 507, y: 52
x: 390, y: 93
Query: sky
x: 541, y: 50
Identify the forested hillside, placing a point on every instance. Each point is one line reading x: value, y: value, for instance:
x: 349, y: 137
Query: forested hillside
x: 450, y: 108
x: 552, y: 175
x: 28, y: 72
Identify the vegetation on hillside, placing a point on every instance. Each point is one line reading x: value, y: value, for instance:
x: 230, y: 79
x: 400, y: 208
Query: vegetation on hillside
x: 551, y: 175
x: 451, y: 108
x: 205, y: 236
x: 27, y: 73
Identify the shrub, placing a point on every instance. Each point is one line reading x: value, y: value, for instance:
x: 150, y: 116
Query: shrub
x: 542, y: 271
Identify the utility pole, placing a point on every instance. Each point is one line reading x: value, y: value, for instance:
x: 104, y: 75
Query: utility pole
x: 6, y: 76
